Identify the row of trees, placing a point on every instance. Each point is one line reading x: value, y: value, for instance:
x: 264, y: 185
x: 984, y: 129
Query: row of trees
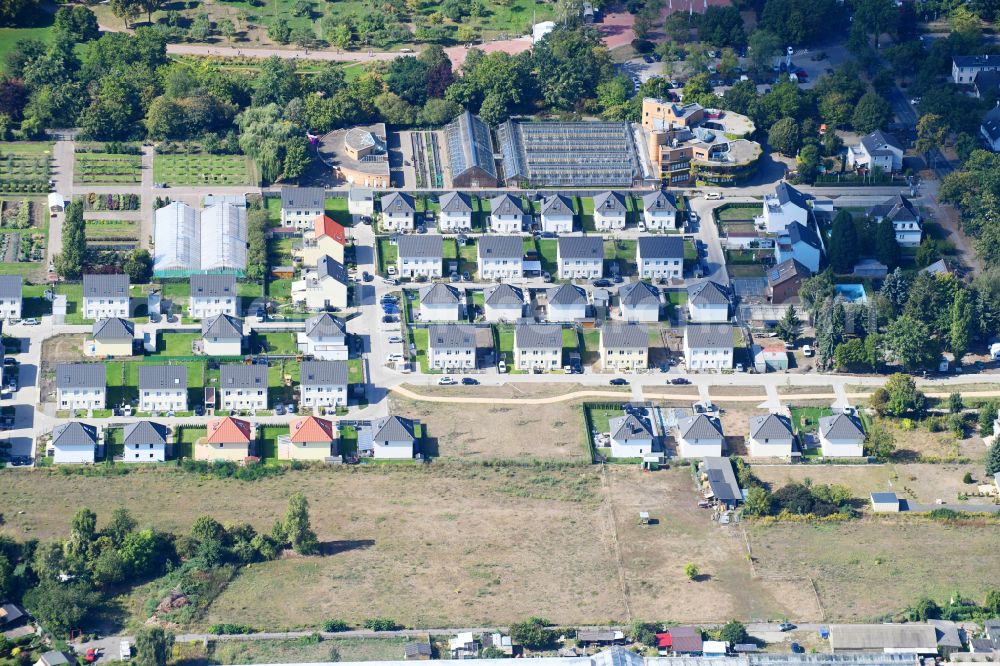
x: 75, y: 256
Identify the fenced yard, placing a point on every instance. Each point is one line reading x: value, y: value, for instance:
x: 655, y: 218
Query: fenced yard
x: 203, y: 169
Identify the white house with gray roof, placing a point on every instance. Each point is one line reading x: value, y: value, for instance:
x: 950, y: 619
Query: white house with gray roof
x: 708, y: 347
x: 451, y: 346
x: 455, y: 213
x: 538, y: 346
x: 213, y: 295
x: 81, y: 386
x: 300, y: 206
x: 699, y: 436
x: 906, y: 221
x: 163, y: 388
x: 105, y: 296
x: 624, y: 347
x: 506, y: 214
x: 222, y: 335
x: 323, y: 384
x: 660, y: 257
x: 145, y: 442
x: 566, y: 303
x: 659, y: 210
x: 877, y: 150
x: 708, y: 303
x: 631, y: 437
x: 243, y: 387
x: 73, y: 443
x: 398, y: 212
x: 502, y: 302
x: 10, y: 297
x: 557, y: 214
x: 841, y: 436
x: 112, y: 337
x: 500, y: 258
x: 609, y: 211
x: 420, y: 255
x: 325, y: 338
x: 322, y: 288
x: 580, y: 257
x: 639, y: 301
x: 393, y: 438
x: 770, y: 436
x: 785, y: 206
x: 440, y: 302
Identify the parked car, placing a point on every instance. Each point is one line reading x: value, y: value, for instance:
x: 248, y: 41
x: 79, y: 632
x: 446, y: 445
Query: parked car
x: 680, y: 381
x: 279, y: 409
x: 546, y: 276
x: 366, y: 276
x: 446, y: 381
x: 502, y: 366
x: 713, y: 196
x: 199, y: 410
x: 603, y: 282
x: 807, y: 350
x: 618, y: 381
x: 388, y: 319
x: 30, y: 321
x: 786, y: 626
x: 394, y: 339
x: 390, y: 269
x: 470, y: 381
x: 466, y: 276
x: 9, y: 362
x: 455, y: 277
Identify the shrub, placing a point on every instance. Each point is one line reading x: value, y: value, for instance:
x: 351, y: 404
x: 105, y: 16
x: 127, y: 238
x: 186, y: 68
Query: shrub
x: 691, y: 570
x: 229, y: 628
x: 381, y: 624
x: 335, y: 625
x: 532, y: 633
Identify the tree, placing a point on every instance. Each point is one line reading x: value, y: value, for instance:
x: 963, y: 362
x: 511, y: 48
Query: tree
x: 993, y: 460
x: 789, y: 326
x: 297, y: 159
x: 280, y: 31
x: 931, y: 132
x: 925, y: 609
x: 150, y: 6
x: 808, y: 163
x: 60, y: 607
x: 201, y: 28
x: 758, y: 502
x: 987, y: 415
x: 227, y: 29
x: 297, y: 527
x: 733, y: 632
x: 992, y: 602
x: 871, y: 113
x: 927, y: 253
x: 728, y: 62
x: 691, y: 571
x: 77, y: 23
x: 120, y: 526
x: 69, y: 264
x: 962, y: 323
x: 83, y: 530
x: 879, y: 441
x: 843, y: 243
x: 763, y: 46
x: 125, y: 9
x: 879, y: 401
x: 886, y: 246
x: 784, y: 136
x: 903, y: 395
x: 873, y: 17
x: 532, y: 633
x: 955, y: 402
x: 852, y: 356
x: 139, y: 266
x: 153, y: 646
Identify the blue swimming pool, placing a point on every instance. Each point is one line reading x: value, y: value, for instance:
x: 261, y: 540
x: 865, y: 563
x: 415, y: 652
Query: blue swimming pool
x: 852, y: 293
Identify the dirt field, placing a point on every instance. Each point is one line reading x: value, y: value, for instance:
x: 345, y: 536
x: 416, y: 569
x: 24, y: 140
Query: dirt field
x: 513, y: 390
x: 723, y: 391
x: 805, y: 390
x: 67, y: 348
x: 299, y: 651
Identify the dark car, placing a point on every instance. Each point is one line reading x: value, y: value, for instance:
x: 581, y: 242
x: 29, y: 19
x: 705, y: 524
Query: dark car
x: 199, y: 410
x: 648, y: 58
x: 549, y: 234
x: 388, y: 319
x: 279, y: 409
x: 366, y: 276
x: 467, y: 276
x: 603, y: 282
x: 9, y: 362
x: 618, y: 279
x: 797, y: 649
x: 619, y: 381
x: 786, y: 626
x: 678, y: 381
x: 469, y: 381
x: 455, y: 277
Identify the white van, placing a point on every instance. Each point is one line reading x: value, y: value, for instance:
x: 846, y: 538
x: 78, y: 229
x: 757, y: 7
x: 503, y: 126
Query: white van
x: 713, y: 196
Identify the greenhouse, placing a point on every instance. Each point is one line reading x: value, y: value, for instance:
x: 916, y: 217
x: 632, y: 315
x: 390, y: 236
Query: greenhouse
x: 224, y: 238
x: 187, y: 243
x: 176, y: 240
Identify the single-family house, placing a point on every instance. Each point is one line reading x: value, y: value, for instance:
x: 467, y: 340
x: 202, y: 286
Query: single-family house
x: 499, y: 642
x: 323, y: 288
x: 785, y: 280
x: 420, y: 255
x: 243, y: 387
x: 659, y: 211
x: 506, y: 214
x: 105, y: 296
x: 327, y: 238
x: 74, y: 443
x: 660, y: 257
x: 606, y: 637
x: 113, y: 337
x: 163, y: 388
x: 213, y: 295
x: 417, y: 651
x: 361, y: 201
x: 81, y: 386
x: 502, y: 302
x: 708, y: 303
x: 500, y: 258
x: 639, y: 302
x: 906, y: 221
x: 10, y: 297
x: 557, y: 214
x: 990, y: 128
x: 699, y: 436
x: 398, y: 212
x: 455, y: 213
x: 681, y: 641
x: 323, y: 384
x: 393, y: 437
x: 580, y: 257
x: 841, y: 436
x: 309, y: 438
x: 631, y: 436
x: 440, y: 302
x: 801, y: 243
x: 451, y: 346
x: 145, y: 441
x: 325, y: 338
x: 877, y: 150
x: 770, y: 436
x: 624, y: 347
x: 301, y: 205
x: 566, y: 303
x: 227, y: 438
x: 464, y: 646
x: 538, y: 346
x: 965, y: 68
x: 609, y: 211
x: 222, y: 335
x: 708, y: 347
x: 785, y: 206
x: 11, y: 615
x: 719, y: 483
x: 52, y: 658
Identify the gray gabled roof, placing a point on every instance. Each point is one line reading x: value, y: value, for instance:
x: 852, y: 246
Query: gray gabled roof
x: 699, y: 426
x: 503, y: 294
x: 162, y: 377
x: 420, y: 247
x: 629, y: 427
x: 799, y: 233
x: 455, y: 202
x: 722, y: 478
x: 786, y: 270
x: 74, y: 433
x: 638, y: 293
x: 114, y: 328
x: 506, y: 204
x: 976, y: 61
x: 772, y: 426
x: 302, y: 197
x: 392, y: 429
x: 397, y: 203
x: 841, y: 426
x: 324, y: 326
x: 661, y: 247
x: 557, y: 204
x: 991, y: 123
x: 501, y: 247
x: 707, y: 293
x: 328, y: 267
x: 323, y: 373
x: 609, y: 202
x: 566, y: 294
x: 537, y: 336
x: 659, y: 201
x: 145, y: 432
x: 114, y: 285
x: 785, y: 193
x: 896, y: 209
x: 10, y: 286
x: 581, y: 247
x: 624, y: 336
x: 880, y: 498
x: 213, y: 286
x: 878, y: 143
x: 440, y: 293
x: 223, y: 326
x: 710, y: 336
x: 80, y: 375
x: 451, y: 336
x: 243, y: 376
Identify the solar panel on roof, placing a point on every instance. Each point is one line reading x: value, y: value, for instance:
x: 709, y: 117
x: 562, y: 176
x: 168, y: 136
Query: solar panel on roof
x: 775, y: 275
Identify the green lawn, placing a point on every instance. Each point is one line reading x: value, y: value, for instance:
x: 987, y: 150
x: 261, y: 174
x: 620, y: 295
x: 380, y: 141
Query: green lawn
x: 186, y: 436
x: 176, y: 344
x: 547, y: 251
x: 570, y: 340
x: 114, y: 443
x: 806, y: 419
x: 203, y: 169
x: 740, y: 212
x: 600, y: 417
x: 505, y: 343
x: 622, y: 251
x: 348, y: 441
x: 419, y: 336
x: 387, y: 254
x: 74, y: 301
x: 336, y: 209
x: 9, y: 37
x: 267, y: 444
x: 284, y: 344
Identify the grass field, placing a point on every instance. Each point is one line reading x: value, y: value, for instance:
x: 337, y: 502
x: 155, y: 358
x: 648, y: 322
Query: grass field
x: 107, y: 230
x: 306, y: 651
x: 106, y: 169
x: 9, y: 37
x: 198, y: 169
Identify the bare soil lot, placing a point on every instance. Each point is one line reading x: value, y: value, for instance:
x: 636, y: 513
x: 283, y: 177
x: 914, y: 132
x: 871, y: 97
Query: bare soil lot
x: 724, y: 391
x: 66, y: 348
x: 805, y: 390
x: 301, y: 652
x: 512, y: 390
